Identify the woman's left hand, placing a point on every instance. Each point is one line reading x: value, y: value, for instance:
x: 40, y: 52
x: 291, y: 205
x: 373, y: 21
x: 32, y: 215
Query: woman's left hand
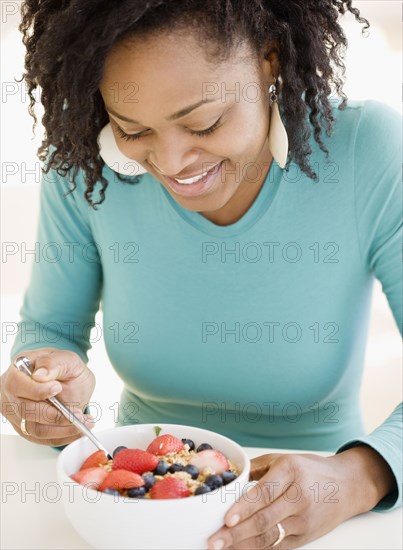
x: 308, y: 494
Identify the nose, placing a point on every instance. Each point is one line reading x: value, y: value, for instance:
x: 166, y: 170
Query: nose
x: 171, y: 157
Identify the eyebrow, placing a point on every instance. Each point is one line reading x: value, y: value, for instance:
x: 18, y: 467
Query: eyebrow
x: 175, y: 116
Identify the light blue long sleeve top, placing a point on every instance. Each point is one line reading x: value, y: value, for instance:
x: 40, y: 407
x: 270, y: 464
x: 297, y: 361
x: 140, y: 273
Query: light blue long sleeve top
x: 256, y: 330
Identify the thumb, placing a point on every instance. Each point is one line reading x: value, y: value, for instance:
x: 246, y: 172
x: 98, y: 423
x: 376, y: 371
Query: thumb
x: 260, y: 465
x: 54, y: 364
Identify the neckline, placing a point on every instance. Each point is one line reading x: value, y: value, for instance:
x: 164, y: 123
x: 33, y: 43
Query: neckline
x: 260, y: 206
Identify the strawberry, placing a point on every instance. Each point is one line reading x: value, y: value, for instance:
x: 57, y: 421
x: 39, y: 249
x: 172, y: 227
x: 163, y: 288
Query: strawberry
x: 135, y: 460
x: 210, y: 459
x: 121, y: 479
x: 164, y: 444
x: 169, y: 487
x: 95, y: 476
x: 96, y: 459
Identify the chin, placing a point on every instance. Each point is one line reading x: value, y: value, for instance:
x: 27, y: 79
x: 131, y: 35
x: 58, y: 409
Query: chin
x: 205, y: 204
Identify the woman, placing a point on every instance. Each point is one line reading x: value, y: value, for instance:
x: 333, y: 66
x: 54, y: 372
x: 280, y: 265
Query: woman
x: 234, y: 249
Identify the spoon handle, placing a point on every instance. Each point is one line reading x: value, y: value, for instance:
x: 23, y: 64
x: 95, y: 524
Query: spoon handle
x: 23, y: 364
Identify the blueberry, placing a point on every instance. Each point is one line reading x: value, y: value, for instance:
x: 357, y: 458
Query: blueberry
x: 203, y: 447
x: 111, y: 492
x: 176, y: 468
x: 149, y: 481
x: 161, y: 468
x: 190, y: 443
x: 227, y: 477
x: 202, y: 489
x: 214, y: 481
x: 192, y: 470
x: 136, y: 492
x: 118, y: 449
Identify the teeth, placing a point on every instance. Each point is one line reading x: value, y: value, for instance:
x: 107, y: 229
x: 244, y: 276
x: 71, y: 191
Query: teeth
x: 189, y: 181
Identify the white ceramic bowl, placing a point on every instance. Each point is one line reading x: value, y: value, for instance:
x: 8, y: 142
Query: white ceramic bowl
x: 109, y: 522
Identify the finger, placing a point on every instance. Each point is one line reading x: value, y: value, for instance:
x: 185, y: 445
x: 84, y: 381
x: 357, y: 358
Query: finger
x: 23, y: 386
x: 54, y: 442
x: 51, y: 364
x: 271, y: 536
x: 260, y: 465
x: 261, y: 494
x: 48, y: 432
x: 52, y: 416
x: 38, y: 411
x: 44, y: 412
x: 261, y: 525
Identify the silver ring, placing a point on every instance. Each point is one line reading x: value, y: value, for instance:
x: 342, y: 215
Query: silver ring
x: 281, y: 534
x: 23, y: 427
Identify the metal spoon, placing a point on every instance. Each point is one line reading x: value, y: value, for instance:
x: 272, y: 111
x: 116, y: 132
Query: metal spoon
x: 23, y: 364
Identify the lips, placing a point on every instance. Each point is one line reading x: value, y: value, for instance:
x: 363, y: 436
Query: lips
x: 203, y: 182
x: 195, y: 179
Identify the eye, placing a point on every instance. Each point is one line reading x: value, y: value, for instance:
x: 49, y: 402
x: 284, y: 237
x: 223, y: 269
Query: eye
x: 206, y: 132
x: 127, y: 137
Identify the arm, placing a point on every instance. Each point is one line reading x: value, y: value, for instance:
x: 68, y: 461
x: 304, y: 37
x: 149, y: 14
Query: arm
x: 58, y: 311
x: 63, y: 296
x: 378, y: 196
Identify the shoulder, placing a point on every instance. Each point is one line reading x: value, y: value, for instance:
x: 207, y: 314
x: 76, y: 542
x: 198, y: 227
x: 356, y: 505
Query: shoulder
x: 365, y: 132
x: 362, y: 107
x: 369, y: 119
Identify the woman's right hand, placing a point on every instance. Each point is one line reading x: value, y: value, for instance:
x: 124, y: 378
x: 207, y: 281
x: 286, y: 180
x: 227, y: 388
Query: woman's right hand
x: 56, y: 372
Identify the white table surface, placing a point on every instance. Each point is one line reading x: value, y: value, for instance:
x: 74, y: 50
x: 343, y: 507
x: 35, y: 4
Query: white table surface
x: 33, y: 518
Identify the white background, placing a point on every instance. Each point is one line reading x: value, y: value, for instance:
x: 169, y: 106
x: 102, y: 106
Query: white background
x: 373, y: 72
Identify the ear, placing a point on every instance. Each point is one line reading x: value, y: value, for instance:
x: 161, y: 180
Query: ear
x: 270, y: 61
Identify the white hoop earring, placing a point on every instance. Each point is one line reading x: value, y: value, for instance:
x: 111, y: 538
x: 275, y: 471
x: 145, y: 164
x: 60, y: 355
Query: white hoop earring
x: 113, y: 156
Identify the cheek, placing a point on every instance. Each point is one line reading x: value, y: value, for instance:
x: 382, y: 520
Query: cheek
x: 130, y: 149
x: 256, y: 121
x: 247, y: 134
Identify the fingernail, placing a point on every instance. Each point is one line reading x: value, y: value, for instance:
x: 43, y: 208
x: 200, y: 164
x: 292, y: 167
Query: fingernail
x: 41, y: 373
x: 55, y: 389
x: 218, y: 544
x: 233, y: 520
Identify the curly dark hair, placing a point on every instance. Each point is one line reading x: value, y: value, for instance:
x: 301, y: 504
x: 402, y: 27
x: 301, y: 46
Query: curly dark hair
x: 67, y: 42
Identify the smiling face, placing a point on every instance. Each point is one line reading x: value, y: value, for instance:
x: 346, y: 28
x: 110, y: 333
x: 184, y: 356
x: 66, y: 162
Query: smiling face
x: 161, y: 95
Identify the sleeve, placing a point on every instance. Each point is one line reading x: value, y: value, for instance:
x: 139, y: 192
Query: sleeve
x: 378, y: 201
x: 63, y: 295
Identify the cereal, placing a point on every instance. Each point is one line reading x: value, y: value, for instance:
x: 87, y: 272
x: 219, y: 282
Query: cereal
x: 197, y: 472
